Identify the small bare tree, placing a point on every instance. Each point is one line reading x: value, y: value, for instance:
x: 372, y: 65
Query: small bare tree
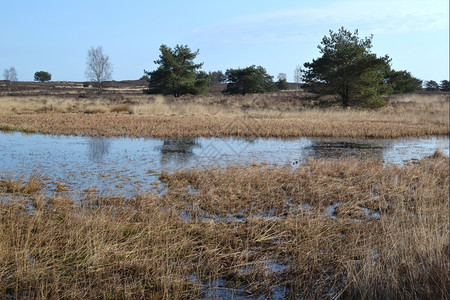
x: 10, y: 75
x: 282, y: 76
x: 99, y: 67
x: 298, y: 76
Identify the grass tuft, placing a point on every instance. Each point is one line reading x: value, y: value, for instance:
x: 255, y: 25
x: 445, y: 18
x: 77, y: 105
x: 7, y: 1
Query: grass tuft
x: 121, y: 108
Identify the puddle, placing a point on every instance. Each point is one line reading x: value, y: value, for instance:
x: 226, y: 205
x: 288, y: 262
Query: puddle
x: 371, y: 214
x: 129, y: 165
x: 217, y: 289
x: 331, y: 210
x: 274, y: 267
x: 302, y: 209
x: 200, y: 215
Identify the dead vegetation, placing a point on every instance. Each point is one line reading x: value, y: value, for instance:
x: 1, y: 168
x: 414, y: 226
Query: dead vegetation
x: 68, y: 108
x: 418, y: 116
x: 338, y: 229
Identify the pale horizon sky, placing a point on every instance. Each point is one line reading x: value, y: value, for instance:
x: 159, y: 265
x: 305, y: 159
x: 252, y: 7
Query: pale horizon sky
x: 55, y: 35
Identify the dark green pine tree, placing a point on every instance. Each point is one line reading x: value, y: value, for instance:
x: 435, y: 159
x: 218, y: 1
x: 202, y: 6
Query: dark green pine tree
x: 402, y: 82
x: 177, y: 74
x: 347, y: 68
x: 253, y: 79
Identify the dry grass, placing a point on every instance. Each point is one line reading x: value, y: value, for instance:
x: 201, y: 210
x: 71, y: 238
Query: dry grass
x: 307, y: 124
x: 21, y: 187
x: 124, y: 108
x: 251, y: 116
x: 345, y: 229
x: 158, y: 105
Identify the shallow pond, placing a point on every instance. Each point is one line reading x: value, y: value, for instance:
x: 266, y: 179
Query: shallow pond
x: 132, y: 165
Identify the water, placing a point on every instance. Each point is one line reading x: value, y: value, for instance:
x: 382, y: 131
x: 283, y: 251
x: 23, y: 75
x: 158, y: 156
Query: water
x: 131, y: 165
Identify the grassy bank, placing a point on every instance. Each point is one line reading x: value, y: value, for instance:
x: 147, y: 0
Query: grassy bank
x: 329, y: 228
x: 217, y: 116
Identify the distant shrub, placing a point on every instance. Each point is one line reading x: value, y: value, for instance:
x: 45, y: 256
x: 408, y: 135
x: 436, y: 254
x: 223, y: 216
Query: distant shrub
x: 94, y: 111
x: 86, y: 84
x: 42, y: 76
x: 444, y: 86
x: 121, y: 108
x: 251, y: 80
x: 431, y: 86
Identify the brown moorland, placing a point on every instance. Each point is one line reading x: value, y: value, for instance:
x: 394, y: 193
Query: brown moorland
x: 68, y: 108
x: 338, y: 229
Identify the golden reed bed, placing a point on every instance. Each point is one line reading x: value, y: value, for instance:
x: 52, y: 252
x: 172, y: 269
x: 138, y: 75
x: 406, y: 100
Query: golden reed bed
x: 403, y: 117
x: 343, y: 229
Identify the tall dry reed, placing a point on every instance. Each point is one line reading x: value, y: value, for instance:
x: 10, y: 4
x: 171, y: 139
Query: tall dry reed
x: 337, y: 229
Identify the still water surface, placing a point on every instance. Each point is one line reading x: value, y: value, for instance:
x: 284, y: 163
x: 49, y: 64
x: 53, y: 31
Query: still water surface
x: 132, y: 165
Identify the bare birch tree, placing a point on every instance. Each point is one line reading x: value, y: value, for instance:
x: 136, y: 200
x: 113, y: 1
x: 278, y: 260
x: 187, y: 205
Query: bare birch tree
x: 298, y: 76
x: 10, y: 75
x: 99, y: 67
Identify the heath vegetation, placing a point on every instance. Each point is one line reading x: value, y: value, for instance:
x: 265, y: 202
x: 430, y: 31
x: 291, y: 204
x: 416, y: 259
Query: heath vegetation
x: 282, y: 114
x: 345, y: 228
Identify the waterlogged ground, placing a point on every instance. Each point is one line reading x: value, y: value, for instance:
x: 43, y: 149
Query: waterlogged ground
x: 323, y: 230
x: 74, y: 164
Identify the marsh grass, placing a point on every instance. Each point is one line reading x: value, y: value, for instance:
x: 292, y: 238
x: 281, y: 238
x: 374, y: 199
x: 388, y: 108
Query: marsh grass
x: 53, y: 104
x: 267, y: 115
x: 30, y: 186
x: 243, y: 231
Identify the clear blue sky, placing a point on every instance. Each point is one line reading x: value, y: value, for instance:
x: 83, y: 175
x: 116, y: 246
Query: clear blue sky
x: 55, y: 36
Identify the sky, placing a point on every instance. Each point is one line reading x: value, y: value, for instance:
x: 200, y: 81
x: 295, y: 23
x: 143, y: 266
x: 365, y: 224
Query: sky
x: 55, y: 36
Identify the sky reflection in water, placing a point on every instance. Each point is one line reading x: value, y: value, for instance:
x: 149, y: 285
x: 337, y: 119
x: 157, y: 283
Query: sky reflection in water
x: 130, y: 165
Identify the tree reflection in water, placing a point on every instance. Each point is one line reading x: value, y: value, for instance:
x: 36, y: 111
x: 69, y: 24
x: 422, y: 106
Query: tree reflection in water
x: 98, y: 148
x: 335, y: 149
x: 178, y: 151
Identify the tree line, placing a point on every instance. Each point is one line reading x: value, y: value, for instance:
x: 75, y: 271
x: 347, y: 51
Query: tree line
x: 178, y: 74
x: 346, y: 68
